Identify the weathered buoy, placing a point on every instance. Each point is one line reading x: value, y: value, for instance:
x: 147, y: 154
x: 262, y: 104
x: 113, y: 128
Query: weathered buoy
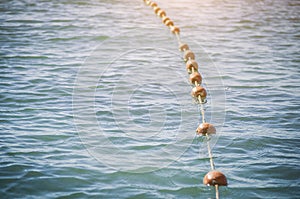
x: 206, y: 129
x: 183, y: 47
x: 199, y: 91
x: 175, y: 30
x: 153, y: 4
x: 169, y: 23
x: 161, y: 13
x: 195, y: 77
x: 165, y: 18
x: 214, y: 177
x: 156, y: 9
x: 191, y: 64
x: 188, y: 54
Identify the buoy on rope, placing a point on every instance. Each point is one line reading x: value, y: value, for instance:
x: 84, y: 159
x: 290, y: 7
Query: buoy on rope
x: 188, y: 54
x: 161, y: 13
x: 199, y: 91
x: 195, y: 77
x: 169, y: 23
x: 164, y: 19
x: 175, y: 30
x: 215, y: 177
x: 183, y: 47
x: 156, y: 9
x: 153, y: 4
x: 191, y: 66
x: 206, y: 129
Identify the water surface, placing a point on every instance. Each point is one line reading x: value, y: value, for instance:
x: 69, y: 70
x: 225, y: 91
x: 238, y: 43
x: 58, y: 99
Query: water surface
x: 136, y: 94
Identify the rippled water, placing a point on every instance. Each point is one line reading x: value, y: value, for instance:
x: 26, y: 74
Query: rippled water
x: 95, y: 100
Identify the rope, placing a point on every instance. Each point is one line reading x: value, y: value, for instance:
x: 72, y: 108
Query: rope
x: 212, y: 165
x: 178, y: 38
x: 217, y: 191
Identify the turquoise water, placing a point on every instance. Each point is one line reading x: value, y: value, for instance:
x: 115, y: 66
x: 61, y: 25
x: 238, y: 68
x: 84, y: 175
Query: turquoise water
x: 95, y: 99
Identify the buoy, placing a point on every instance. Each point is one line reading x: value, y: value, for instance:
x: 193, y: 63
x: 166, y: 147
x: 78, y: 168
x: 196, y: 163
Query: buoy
x: 148, y: 2
x: 165, y: 18
x: 175, y: 29
x: 191, y: 64
x: 169, y: 23
x: 161, y: 13
x: 206, y: 129
x: 153, y: 4
x: 195, y: 77
x: 188, y: 54
x: 183, y: 47
x: 214, y: 177
x: 156, y: 9
x: 199, y: 91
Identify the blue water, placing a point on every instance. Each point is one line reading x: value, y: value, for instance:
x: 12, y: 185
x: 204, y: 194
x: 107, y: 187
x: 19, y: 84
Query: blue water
x: 95, y: 100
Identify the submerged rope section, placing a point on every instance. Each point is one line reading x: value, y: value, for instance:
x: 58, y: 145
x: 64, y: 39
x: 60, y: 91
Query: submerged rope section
x: 213, y: 177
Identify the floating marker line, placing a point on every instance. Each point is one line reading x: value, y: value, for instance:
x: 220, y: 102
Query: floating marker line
x: 212, y: 178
